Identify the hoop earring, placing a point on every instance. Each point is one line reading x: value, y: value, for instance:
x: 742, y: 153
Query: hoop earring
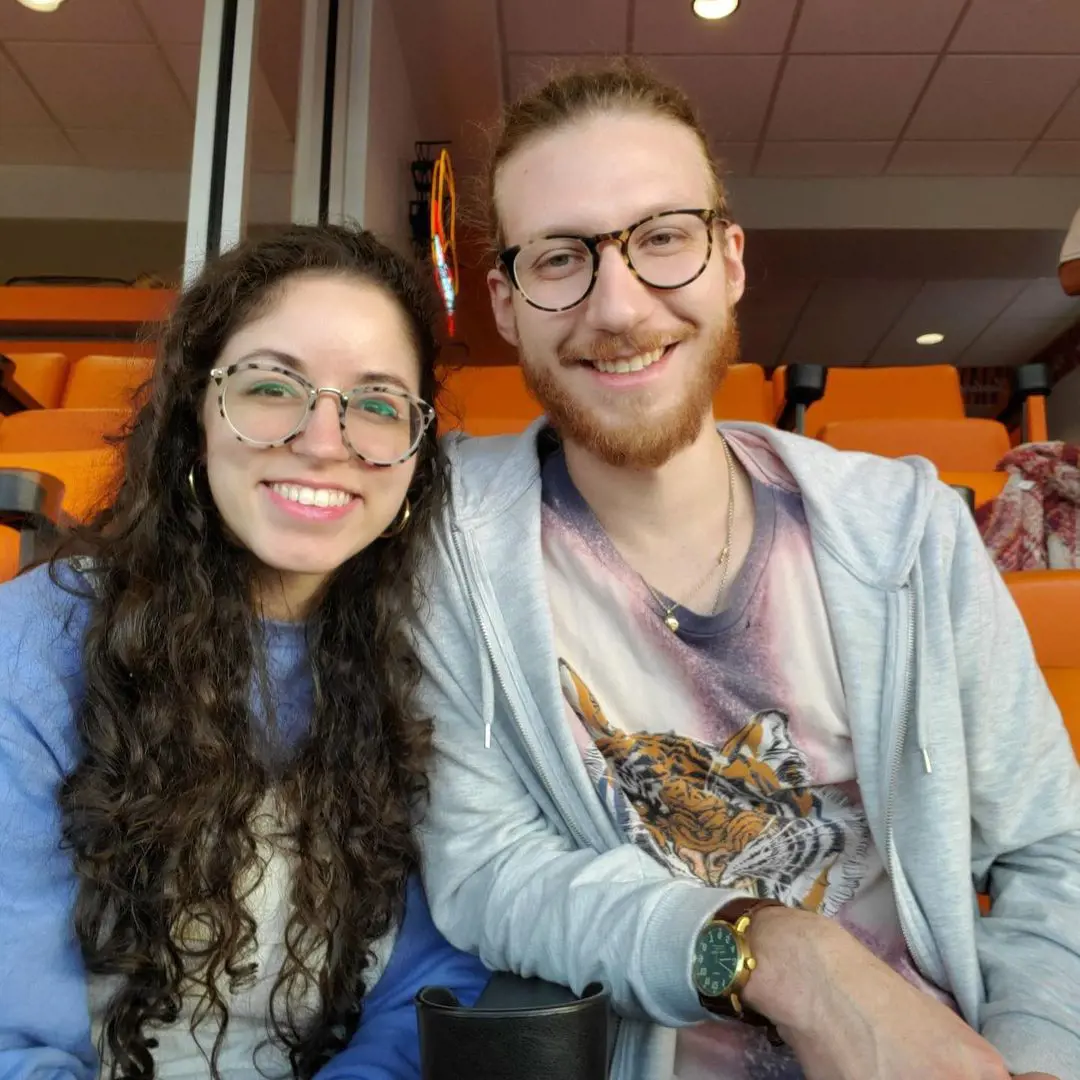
x: 191, y: 483
x: 398, y: 527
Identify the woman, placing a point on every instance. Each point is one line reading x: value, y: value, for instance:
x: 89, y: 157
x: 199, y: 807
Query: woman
x: 209, y: 753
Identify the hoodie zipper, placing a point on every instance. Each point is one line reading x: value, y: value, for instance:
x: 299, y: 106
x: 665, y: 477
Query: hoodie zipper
x: 906, y: 703
x: 530, y: 745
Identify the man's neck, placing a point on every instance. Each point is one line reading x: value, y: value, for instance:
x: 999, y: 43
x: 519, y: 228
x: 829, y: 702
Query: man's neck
x: 640, y: 509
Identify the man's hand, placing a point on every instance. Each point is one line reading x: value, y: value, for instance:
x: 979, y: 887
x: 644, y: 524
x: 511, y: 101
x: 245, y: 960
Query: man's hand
x: 848, y: 1015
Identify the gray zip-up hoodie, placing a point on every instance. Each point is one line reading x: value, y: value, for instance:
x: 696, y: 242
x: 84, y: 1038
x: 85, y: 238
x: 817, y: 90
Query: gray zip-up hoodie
x: 966, y: 771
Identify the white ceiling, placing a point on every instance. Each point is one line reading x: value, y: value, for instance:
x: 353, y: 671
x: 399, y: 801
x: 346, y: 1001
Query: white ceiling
x: 843, y: 87
x: 889, y: 90
x: 112, y: 84
x: 921, y: 108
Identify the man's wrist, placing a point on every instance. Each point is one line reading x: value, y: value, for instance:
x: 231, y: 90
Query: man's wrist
x: 785, y: 943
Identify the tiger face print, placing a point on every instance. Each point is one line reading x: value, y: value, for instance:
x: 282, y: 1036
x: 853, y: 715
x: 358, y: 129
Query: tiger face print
x: 742, y: 815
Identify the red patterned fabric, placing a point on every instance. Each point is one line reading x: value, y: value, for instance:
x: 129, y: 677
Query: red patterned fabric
x: 1035, y: 523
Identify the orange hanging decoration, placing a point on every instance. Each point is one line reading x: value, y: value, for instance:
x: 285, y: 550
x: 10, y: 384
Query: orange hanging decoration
x: 443, y: 234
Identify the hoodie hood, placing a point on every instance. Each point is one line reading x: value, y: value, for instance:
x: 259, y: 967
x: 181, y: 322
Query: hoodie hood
x: 870, y: 513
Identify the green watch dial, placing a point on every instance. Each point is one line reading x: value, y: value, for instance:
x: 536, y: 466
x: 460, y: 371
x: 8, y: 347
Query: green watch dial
x: 716, y: 960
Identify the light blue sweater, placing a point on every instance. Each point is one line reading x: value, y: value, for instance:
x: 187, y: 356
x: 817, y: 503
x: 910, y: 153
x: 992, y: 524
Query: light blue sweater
x: 966, y: 771
x: 45, y: 1026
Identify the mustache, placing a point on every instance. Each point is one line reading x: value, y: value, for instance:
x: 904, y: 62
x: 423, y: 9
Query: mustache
x: 613, y: 346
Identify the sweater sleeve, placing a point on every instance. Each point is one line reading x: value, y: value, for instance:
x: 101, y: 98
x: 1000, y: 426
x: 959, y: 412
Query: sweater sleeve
x: 386, y: 1045
x: 44, y: 1014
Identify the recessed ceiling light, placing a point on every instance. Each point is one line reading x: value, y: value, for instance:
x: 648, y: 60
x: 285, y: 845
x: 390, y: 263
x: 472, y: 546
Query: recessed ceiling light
x: 41, y: 5
x: 929, y: 339
x: 714, y: 9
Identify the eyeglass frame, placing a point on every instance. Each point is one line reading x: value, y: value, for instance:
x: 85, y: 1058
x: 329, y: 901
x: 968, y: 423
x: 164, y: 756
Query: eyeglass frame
x: 506, y: 259
x: 221, y: 375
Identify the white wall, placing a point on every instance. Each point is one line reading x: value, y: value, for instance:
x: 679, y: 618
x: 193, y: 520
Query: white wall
x: 393, y: 130
x: 1063, y: 409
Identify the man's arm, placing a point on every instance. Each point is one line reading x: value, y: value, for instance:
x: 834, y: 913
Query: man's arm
x: 503, y: 880
x: 1025, y: 810
x: 847, y: 1014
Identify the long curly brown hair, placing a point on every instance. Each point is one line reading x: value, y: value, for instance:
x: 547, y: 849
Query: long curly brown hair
x: 174, y: 760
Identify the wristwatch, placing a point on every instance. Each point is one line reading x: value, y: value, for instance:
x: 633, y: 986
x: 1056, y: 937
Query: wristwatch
x: 723, y: 961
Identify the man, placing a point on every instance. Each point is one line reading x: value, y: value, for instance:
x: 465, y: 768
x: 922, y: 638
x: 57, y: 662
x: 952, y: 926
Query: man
x: 677, y: 672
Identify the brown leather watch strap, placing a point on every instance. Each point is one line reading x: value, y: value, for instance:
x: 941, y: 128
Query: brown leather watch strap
x: 735, y: 909
x: 731, y: 913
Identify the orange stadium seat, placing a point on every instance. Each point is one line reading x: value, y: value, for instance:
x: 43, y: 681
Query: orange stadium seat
x: 60, y: 429
x: 42, y: 375
x: 486, y: 400
x: 106, y: 382
x: 745, y: 395
x: 985, y: 486
x: 930, y: 392
x: 952, y: 445
x: 1049, y: 601
x: 9, y: 553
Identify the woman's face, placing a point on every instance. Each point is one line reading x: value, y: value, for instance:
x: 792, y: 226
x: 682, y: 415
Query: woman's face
x: 306, y: 507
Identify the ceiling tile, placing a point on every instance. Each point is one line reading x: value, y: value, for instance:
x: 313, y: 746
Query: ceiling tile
x: 184, y: 61
x: 1006, y: 26
x: 1043, y: 298
x: 172, y: 21
x: 994, y: 97
x: 114, y: 21
x: 36, y: 146
x: 96, y: 85
x: 767, y: 316
x: 731, y: 93
x: 111, y: 148
x: 184, y: 58
x: 18, y: 106
x: 1066, y: 124
x: 1050, y: 158
x: 1007, y: 341
x: 845, y: 320
x: 915, y: 158
x: 885, y: 26
x: 565, y: 26
x: 663, y: 26
x: 823, y: 158
x: 960, y: 310
x: 736, y: 158
x: 847, y: 97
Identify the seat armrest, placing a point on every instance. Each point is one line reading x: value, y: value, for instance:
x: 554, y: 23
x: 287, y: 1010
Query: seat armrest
x: 29, y: 499
x: 805, y: 384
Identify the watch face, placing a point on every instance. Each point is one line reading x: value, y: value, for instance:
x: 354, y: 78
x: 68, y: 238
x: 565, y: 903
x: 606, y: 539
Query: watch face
x: 716, y: 960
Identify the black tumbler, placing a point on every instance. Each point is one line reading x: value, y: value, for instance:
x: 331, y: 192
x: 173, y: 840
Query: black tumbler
x: 520, y: 1029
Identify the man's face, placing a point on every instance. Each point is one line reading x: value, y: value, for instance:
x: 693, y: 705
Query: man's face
x: 629, y: 373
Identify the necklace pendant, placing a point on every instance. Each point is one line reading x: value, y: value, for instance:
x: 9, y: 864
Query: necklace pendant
x: 671, y: 623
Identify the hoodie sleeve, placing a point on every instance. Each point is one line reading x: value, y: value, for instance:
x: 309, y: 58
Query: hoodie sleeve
x: 44, y: 1015
x: 505, y: 879
x: 386, y: 1044
x: 1025, y: 817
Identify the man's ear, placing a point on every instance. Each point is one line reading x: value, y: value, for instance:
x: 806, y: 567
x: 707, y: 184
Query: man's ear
x: 502, y: 305
x: 734, y: 270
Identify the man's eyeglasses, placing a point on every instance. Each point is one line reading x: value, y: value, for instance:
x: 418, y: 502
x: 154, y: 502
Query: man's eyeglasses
x: 269, y: 405
x: 665, y: 251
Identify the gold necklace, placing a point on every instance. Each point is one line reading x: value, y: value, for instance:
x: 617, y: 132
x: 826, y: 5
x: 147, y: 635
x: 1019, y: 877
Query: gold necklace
x: 724, y: 559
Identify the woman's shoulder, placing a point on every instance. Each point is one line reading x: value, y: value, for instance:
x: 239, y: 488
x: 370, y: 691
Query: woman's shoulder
x: 43, y: 616
x: 43, y: 597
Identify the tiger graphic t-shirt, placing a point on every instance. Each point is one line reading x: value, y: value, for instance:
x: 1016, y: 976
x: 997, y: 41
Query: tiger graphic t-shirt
x: 723, y: 750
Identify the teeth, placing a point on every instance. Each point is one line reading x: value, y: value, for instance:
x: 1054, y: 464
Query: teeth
x: 307, y: 496
x: 625, y: 365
